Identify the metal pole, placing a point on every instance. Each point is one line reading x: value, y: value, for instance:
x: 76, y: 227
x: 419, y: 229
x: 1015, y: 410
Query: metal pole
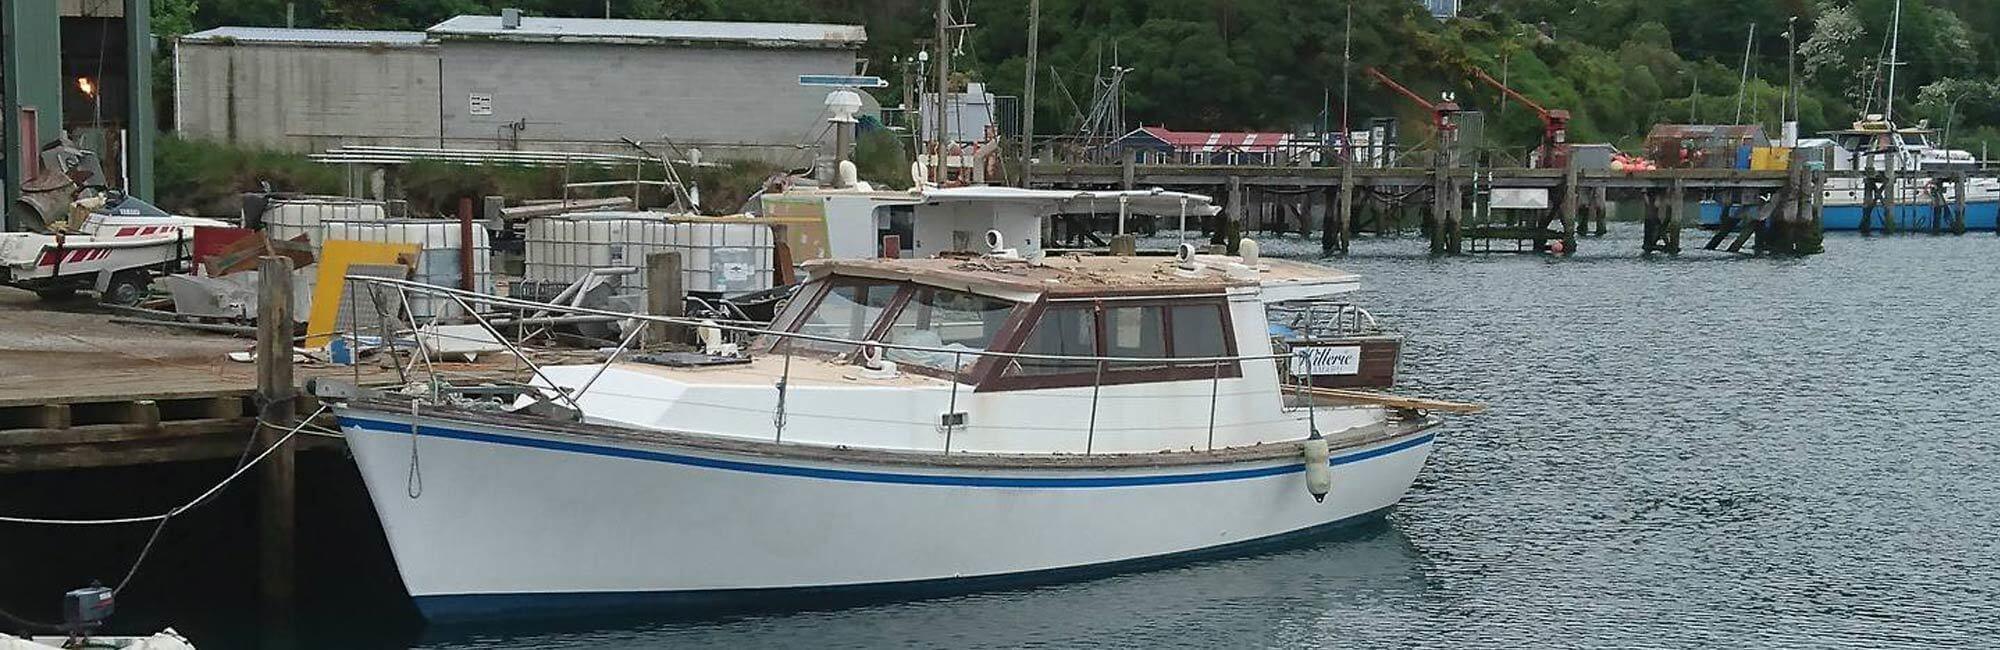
x: 1743, y: 86
x: 1346, y: 57
x: 518, y: 354
x: 957, y: 360
x: 1090, y: 438
x: 943, y: 92
x: 1791, y: 70
x: 1028, y: 94
x: 1214, y: 392
x: 625, y: 343
x: 1895, y: 60
x: 784, y: 380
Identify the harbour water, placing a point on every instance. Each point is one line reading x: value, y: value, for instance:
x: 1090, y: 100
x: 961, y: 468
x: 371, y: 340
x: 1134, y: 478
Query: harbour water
x: 1709, y: 450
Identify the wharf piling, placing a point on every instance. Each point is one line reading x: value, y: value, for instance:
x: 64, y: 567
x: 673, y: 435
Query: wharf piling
x: 276, y: 408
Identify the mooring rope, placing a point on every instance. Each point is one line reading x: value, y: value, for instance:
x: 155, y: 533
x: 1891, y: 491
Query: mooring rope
x: 177, y: 510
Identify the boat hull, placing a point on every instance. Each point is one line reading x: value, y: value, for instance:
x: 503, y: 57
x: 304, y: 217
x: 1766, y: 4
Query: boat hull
x: 488, y: 520
x: 1979, y: 215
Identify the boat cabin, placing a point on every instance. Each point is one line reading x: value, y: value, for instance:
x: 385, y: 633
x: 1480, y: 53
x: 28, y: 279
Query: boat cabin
x: 855, y: 223
x: 1070, y: 354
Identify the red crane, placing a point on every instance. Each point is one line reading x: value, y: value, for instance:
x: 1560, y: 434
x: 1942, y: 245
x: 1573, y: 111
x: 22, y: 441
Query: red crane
x: 1441, y: 111
x: 1555, y: 123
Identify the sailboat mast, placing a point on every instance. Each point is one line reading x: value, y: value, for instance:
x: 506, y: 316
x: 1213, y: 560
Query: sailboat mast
x: 1895, y: 59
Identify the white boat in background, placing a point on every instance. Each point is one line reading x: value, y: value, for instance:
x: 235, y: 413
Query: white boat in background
x: 115, y: 248
x: 1874, y: 144
x: 905, y: 428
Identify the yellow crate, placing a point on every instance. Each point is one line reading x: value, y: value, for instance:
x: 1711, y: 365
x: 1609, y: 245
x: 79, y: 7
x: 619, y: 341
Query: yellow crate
x: 1771, y: 158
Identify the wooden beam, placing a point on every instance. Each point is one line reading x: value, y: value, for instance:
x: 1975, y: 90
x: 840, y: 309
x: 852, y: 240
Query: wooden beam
x: 37, y: 416
x: 1393, y: 401
x: 28, y: 442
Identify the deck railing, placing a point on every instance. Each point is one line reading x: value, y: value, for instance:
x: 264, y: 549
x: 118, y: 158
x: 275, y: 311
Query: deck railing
x: 382, y: 291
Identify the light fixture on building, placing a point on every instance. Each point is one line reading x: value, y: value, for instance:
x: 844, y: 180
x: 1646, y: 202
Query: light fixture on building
x: 84, y: 84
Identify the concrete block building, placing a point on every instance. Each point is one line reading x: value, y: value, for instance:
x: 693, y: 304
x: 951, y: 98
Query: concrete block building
x: 307, y: 89
x: 488, y: 82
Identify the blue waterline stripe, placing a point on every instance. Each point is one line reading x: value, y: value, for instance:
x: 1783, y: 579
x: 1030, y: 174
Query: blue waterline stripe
x: 872, y: 477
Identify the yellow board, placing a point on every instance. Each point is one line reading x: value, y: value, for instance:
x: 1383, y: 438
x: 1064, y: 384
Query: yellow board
x: 1771, y: 159
x: 334, y: 258
x: 804, y: 220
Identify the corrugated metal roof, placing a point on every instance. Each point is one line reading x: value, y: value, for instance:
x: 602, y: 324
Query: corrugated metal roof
x: 291, y: 36
x: 1212, y: 141
x: 618, y: 30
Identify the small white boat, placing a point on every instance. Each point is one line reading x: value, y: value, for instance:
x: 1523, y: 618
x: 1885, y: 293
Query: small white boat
x: 905, y: 428
x: 115, y: 250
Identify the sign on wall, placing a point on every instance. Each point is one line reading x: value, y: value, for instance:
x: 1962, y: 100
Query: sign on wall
x: 481, y: 104
x: 1329, y: 360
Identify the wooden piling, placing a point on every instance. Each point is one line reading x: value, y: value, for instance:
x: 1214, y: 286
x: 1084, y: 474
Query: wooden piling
x: 1890, y: 222
x: 1958, y: 203
x: 1434, y: 225
x: 1600, y: 205
x: 1570, y: 197
x: 277, y: 499
x: 1345, y: 206
x: 1815, y: 236
x: 783, y: 271
x: 1674, y: 217
x: 1126, y: 245
x: 665, y: 296
x: 1651, y: 239
x: 1871, y: 196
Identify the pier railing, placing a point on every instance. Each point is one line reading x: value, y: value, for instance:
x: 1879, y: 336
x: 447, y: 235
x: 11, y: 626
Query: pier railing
x: 1212, y: 369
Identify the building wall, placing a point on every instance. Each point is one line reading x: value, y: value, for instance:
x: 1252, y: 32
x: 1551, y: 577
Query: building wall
x: 306, y: 98
x: 727, y: 101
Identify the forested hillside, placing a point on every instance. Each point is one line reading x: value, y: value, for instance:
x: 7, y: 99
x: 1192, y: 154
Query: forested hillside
x: 1618, y: 65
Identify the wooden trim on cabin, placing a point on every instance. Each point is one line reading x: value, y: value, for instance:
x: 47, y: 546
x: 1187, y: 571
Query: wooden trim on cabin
x: 1380, y: 357
x: 997, y: 379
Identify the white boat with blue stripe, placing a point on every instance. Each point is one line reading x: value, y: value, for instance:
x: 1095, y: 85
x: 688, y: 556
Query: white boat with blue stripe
x: 905, y: 428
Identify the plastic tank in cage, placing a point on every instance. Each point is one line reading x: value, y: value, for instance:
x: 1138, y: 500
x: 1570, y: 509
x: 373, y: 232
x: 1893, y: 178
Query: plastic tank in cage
x: 723, y: 255
x: 287, y: 217
x: 438, y: 261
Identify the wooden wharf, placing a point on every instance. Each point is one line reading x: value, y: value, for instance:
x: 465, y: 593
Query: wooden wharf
x: 1775, y: 211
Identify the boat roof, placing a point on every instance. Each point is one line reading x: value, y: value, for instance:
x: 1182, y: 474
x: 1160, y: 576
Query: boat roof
x: 1099, y: 275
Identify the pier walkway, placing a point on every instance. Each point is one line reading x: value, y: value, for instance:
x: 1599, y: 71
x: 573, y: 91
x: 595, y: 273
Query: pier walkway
x: 78, y: 391
x: 1475, y: 209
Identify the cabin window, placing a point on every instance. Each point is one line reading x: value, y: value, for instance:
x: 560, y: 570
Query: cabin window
x: 1198, y: 331
x: 898, y: 220
x: 941, y: 318
x: 1135, y: 332
x: 1139, y: 329
x: 1068, y: 330
x: 846, y: 311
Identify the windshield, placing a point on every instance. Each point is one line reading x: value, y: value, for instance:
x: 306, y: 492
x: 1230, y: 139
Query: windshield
x: 847, y: 311
x: 947, y: 320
